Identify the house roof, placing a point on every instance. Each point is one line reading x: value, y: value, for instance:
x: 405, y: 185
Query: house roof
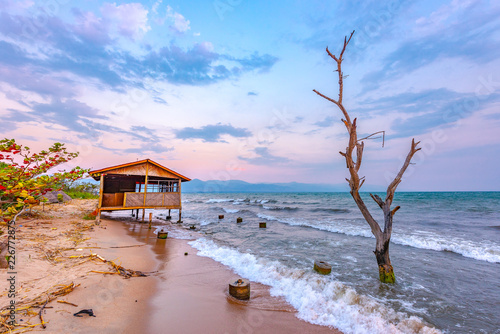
x: 128, y: 168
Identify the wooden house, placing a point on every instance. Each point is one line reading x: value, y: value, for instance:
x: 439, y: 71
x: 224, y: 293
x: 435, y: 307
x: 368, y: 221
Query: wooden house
x: 143, y: 184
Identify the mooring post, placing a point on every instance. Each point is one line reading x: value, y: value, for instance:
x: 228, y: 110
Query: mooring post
x: 240, y: 289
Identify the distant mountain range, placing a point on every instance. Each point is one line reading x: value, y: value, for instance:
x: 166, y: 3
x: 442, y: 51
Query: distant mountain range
x: 213, y: 186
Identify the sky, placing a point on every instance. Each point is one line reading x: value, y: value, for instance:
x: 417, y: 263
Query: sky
x: 222, y: 90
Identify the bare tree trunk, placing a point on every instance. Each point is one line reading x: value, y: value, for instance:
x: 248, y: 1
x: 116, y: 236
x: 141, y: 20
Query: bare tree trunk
x: 355, y: 148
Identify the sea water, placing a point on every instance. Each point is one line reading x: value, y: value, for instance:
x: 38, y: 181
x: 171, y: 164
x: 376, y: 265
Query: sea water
x: 445, y: 250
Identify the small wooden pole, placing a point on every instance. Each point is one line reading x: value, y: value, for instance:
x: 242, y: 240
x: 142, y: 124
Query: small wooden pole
x: 180, y: 201
x: 101, y: 194
x: 146, y: 184
x: 143, y: 213
x: 136, y: 213
x: 150, y: 219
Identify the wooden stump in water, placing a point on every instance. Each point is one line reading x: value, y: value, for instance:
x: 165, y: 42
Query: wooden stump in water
x: 239, y: 220
x: 262, y: 225
x: 168, y: 218
x: 322, y: 267
x: 221, y: 216
x: 240, y: 289
x: 192, y: 227
x: 162, y: 235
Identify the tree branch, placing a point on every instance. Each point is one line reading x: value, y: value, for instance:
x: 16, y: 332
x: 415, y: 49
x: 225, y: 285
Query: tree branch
x: 395, y: 209
x: 377, y: 199
x: 391, y: 189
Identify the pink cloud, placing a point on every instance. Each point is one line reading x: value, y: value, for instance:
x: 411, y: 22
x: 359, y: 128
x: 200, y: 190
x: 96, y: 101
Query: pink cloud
x: 131, y: 20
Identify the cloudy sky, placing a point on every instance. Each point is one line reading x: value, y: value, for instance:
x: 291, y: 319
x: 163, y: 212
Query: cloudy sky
x: 221, y: 90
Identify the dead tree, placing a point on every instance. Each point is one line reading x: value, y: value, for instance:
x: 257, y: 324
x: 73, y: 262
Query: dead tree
x: 353, y: 157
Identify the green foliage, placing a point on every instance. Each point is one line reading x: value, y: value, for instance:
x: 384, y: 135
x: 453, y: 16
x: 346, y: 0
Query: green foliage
x: 60, y: 198
x: 81, y: 195
x: 85, y: 190
x: 23, y: 175
x: 89, y: 216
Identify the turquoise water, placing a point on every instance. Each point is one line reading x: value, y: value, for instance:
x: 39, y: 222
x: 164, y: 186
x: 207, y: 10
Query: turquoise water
x: 445, y: 251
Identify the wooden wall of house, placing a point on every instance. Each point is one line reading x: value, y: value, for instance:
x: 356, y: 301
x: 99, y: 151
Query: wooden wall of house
x: 115, y: 199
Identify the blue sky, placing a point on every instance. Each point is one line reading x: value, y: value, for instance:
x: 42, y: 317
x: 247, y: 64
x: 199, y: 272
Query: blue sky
x: 223, y: 89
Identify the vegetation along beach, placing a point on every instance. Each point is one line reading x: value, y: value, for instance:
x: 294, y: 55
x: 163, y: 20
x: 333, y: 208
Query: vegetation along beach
x: 250, y: 167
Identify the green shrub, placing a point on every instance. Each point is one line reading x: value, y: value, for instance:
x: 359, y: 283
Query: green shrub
x: 89, y: 216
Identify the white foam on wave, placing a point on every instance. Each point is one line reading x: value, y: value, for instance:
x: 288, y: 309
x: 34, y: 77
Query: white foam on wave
x: 483, y: 251
x: 219, y: 200
x: 230, y: 210
x: 317, y: 299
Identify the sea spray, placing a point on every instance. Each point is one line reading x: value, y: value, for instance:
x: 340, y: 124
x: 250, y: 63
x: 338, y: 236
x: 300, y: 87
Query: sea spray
x: 317, y: 299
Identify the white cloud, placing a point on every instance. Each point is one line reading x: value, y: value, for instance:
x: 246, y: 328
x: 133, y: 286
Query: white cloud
x: 131, y: 20
x: 180, y: 24
x: 438, y: 19
x: 155, y: 6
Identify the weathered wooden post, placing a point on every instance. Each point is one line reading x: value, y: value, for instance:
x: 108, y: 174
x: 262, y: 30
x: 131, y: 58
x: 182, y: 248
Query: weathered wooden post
x: 221, y: 216
x: 240, y: 289
x: 101, y: 194
x: 150, y: 219
x: 262, y: 225
x: 180, y: 201
x: 322, y: 267
x: 162, y: 235
x: 239, y: 220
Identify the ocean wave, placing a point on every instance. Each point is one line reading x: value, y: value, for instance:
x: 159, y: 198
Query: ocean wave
x: 328, y: 210
x: 317, y: 299
x: 231, y: 210
x: 219, y: 200
x: 483, y: 251
x: 287, y: 208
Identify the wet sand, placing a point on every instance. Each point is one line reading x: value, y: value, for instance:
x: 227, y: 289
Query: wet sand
x: 192, y: 296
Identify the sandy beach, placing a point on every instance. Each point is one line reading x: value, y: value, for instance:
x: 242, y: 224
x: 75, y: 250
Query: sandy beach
x: 56, y: 248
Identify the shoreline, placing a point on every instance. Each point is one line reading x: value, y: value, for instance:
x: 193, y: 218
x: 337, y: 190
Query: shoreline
x: 192, y: 294
x: 187, y: 294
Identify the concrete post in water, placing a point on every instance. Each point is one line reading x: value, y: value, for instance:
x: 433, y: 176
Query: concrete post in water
x: 162, y: 235
x: 239, y: 220
x: 240, y: 289
x: 322, y: 267
x: 262, y: 225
